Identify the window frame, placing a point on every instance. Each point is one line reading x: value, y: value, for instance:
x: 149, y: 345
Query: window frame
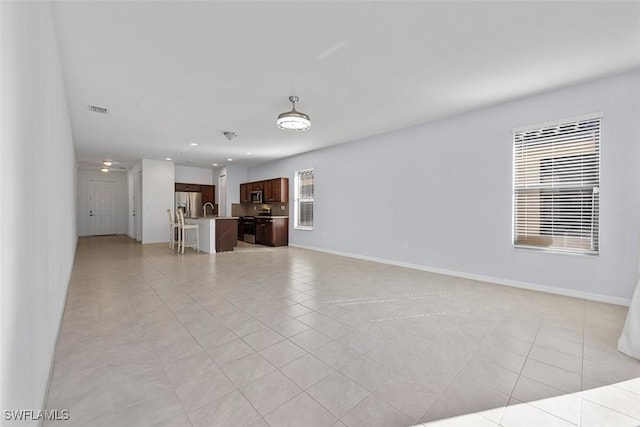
x: 595, y: 186
x: 297, y: 200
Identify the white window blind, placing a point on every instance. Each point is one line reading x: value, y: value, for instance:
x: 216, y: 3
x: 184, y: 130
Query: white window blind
x: 557, y: 185
x: 304, y: 199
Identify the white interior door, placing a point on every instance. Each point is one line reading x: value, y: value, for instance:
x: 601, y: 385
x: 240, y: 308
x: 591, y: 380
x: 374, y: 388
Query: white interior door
x: 222, y: 187
x: 102, y: 208
x: 137, y: 206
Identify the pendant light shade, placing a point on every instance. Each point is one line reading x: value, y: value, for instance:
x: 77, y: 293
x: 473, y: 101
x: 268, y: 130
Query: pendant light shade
x: 293, y: 120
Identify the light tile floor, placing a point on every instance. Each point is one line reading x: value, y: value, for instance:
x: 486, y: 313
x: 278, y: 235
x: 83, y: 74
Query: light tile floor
x: 289, y: 337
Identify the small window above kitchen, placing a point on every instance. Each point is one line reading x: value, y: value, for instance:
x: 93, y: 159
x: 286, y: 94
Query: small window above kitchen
x: 303, y: 209
x: 556, y: 186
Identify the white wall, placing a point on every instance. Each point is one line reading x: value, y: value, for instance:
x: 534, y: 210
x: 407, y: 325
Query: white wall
x: 38, y: 189
x: 236, y: 175
x: 158, y: 185
x: 445, y: 188
x: 121, y: 203
x: 192, y: 175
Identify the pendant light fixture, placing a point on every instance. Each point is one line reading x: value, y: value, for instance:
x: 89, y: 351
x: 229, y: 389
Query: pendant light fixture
x: 293, y: 120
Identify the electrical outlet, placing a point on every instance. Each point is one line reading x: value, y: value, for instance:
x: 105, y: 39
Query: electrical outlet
x: 405, y: 244
x: 324, y: 235
x: 282, y: 208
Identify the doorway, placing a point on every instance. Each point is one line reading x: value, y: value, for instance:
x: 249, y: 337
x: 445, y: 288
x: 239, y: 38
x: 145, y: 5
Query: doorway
x: 102, y: 208
x: 137, y: 206
x: 222, y: 193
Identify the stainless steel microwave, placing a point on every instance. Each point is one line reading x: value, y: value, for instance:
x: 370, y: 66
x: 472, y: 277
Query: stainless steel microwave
x: 256, y: 196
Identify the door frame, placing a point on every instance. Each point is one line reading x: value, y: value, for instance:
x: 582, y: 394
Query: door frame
x: 90, y: 207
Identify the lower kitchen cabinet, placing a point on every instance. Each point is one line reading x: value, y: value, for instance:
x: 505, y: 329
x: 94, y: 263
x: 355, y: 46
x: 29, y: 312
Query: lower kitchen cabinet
x: 272, y: 231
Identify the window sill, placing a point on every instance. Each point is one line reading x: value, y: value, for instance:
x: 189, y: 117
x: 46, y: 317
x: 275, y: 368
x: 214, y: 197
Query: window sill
x: 303, y: 228
x: 520, y: 248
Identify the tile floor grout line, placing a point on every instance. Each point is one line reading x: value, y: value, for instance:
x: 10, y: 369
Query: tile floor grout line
x: 533, y: 343
x: 149, y: 269
x: 462, y: 368
x: 584, y: 332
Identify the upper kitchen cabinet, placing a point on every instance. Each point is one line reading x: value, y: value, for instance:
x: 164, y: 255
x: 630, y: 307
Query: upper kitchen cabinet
x: 255, y: 186
x: 276, y: 190
x: 208, y: 193
x: 245, y: 192
x: 188, y: 187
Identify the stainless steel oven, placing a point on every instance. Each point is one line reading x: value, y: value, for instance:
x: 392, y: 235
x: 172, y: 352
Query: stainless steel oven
x: 249, y: 226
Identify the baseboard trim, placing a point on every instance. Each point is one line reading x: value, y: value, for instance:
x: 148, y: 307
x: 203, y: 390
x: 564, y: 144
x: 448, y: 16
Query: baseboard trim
x: 55, y: 346
x: 495, y: 280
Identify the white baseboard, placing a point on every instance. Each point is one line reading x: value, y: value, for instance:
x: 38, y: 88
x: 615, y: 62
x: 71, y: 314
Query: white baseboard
x: 495, y: 280
x: 55, y: 344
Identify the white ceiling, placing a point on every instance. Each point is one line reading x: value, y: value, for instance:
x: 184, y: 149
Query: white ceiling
x: 172, y: 73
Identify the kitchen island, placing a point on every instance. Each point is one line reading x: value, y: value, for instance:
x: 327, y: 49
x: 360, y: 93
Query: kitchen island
x: 217, y: 234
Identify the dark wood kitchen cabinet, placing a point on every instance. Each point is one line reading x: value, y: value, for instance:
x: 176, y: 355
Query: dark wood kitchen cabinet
x: 226, y: 234
x: 245, y: 193
x: 180, y: 186
x: 255, y: 186
x: 208, y: 193
x: 276, y: 190
x: 261, y: 225
x: 272, y: 231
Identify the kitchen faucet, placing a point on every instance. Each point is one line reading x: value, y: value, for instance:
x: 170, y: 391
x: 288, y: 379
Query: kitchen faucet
x: 204, y: 208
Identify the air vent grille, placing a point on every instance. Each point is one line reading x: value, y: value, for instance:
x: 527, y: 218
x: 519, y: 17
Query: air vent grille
x: 99, y: 110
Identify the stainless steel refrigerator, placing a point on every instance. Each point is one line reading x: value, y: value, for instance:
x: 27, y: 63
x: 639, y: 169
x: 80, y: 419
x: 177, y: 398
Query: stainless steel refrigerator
x: 190, y: 203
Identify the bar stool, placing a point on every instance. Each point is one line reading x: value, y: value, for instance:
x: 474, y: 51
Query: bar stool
x: 182, y: 235
x: 173, y: 226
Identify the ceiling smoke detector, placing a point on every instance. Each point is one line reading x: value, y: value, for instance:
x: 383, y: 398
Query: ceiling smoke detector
x: 229, y: 135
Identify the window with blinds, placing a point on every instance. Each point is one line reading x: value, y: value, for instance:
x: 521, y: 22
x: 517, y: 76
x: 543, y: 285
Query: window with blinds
x: 304, y: 199
x: 556, y: 186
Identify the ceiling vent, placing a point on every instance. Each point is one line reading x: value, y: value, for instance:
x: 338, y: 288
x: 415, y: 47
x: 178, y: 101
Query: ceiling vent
x: 100, y: 110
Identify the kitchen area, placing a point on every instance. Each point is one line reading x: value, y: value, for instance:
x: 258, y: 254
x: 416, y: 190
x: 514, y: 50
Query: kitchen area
x: 263, y: 212
x: 260, y: 218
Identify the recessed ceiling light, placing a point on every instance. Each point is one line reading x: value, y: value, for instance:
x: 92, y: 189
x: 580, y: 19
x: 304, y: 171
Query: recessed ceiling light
x: 214, y: 164
x: 107, y: 163
x: 194, y: 144
x: 104, y: 169
x: 249, y: 153
x: 230, y: 160
x: 168, y: 158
